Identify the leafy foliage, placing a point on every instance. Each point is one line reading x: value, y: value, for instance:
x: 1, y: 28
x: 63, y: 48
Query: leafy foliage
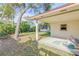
x: 24, y: 27
x: 9, y: 28
x: 8, y: 10
x: 6, y: 29
x: 32, y: 29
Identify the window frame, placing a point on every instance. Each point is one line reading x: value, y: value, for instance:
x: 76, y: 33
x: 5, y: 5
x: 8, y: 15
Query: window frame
x: 63, y: 27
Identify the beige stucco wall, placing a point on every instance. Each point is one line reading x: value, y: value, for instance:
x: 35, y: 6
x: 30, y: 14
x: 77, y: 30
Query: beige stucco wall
x: 72, y: 29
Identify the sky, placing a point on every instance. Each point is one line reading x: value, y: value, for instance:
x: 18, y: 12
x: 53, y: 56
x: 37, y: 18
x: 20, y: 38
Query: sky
x: 57, y: 5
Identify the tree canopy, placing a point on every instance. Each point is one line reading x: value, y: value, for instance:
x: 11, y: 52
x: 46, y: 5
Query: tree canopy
x: 8, y: 10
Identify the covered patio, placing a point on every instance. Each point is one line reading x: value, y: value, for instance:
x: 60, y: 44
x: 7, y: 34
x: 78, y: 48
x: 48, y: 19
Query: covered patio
x: 64, y: 14
x: 68, y: 14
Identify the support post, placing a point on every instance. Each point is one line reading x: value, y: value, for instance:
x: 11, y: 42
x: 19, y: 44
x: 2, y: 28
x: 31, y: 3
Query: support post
x: 37, y: 30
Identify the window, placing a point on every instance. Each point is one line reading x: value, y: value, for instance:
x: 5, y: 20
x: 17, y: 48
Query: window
x: 63, y: 27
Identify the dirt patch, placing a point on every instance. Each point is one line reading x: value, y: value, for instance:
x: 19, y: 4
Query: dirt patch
x: 11, y: 47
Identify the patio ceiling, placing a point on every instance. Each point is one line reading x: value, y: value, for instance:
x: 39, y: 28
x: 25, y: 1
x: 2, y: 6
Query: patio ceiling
x: 69, y: 12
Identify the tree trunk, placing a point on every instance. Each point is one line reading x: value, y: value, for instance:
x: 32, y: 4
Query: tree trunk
x: 18, y: 23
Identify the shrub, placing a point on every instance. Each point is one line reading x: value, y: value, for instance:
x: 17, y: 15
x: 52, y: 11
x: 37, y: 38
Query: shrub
x: 6, y: 29
x: 2, y: 32
x: 32, y: 29
x: 9, y: 28
x: 24, y: 27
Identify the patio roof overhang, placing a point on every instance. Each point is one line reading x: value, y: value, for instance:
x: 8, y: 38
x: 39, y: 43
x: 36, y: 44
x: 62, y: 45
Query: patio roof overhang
x: 68, y: 9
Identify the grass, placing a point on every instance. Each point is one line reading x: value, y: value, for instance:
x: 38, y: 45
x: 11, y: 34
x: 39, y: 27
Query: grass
x: 31, y: 36
x: 25, y: 47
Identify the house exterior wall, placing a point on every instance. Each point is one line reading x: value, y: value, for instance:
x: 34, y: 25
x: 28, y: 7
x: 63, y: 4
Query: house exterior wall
x: 72, y: 29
